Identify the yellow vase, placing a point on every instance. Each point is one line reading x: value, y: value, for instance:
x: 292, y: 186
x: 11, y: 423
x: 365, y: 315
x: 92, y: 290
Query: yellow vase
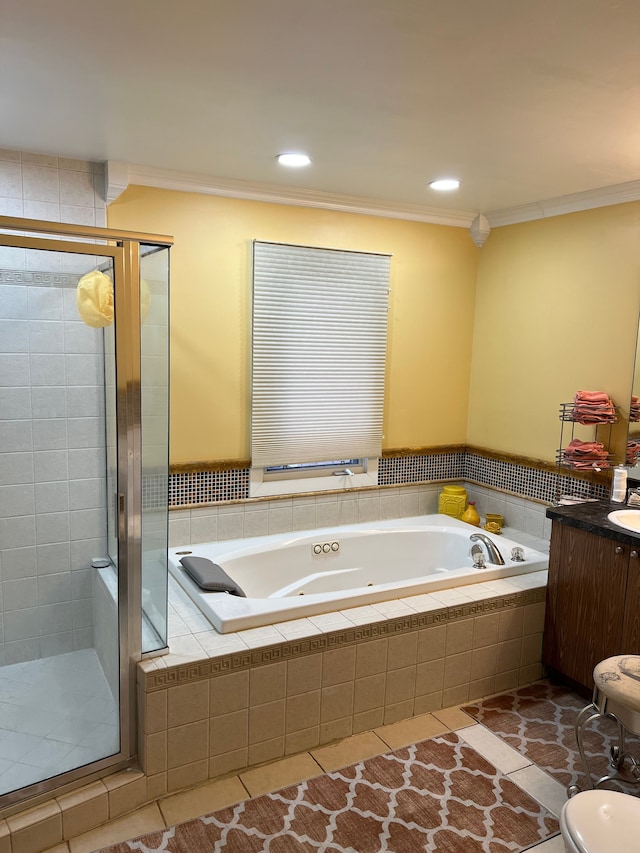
x: 470, y: 515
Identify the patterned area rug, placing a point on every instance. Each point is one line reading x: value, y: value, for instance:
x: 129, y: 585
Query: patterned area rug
x: 437, y: 795
x: 538, y: 721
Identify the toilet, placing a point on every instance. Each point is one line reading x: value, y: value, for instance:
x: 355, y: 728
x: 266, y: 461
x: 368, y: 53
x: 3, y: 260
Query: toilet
x: 601, y: 822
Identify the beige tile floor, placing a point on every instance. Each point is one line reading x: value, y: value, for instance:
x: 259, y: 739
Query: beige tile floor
x: 220, y: 793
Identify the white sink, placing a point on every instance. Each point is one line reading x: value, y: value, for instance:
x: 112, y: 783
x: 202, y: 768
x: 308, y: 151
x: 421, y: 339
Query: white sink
x: 627, y: 518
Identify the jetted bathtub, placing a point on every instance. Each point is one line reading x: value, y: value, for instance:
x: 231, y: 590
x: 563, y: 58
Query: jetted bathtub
x: 291, y: 575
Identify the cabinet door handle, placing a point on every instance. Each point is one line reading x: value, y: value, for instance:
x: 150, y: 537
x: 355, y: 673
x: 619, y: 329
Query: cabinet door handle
x: 620, y: 550
x: 634, y: 555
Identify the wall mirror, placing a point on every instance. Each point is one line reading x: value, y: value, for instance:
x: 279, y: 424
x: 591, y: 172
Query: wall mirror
x: 633, y: 436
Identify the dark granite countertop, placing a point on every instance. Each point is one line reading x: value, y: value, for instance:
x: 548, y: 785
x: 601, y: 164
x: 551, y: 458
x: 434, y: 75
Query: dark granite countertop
x: 592, y: 517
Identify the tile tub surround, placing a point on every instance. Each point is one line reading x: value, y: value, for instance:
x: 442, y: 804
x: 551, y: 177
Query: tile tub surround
x: 260, y: 517
x: 220, y: 703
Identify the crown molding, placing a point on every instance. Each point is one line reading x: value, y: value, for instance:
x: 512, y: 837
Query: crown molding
x: 116, y: 175
x: 480, y: 230
x: 586, y: 200
x: 167, y: 179
x: 120, y: 175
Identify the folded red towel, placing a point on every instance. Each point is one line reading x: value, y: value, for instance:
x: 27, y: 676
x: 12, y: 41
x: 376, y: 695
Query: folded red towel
x: 585, y: 446
x: 583, y: 455
x: 592, y: 396
x: 593, y: 407
x: 585, y: 466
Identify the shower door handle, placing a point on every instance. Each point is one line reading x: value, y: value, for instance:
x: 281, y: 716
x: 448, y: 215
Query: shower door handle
x: 122, y: 519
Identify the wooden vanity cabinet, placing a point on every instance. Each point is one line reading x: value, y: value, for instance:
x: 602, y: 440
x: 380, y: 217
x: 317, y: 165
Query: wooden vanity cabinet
x: 631, y: 622
x: 593, y: 602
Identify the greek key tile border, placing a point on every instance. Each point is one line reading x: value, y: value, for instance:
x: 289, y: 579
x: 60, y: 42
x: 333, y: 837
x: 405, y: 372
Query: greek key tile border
x: 44, y: 279
x: 238, y: 661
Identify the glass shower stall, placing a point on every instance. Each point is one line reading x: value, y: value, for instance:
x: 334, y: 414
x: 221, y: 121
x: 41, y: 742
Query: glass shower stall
x: 84, y: 426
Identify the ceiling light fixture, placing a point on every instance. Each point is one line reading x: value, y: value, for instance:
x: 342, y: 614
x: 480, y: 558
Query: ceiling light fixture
x: 296, y: 160
x: 445, y: 184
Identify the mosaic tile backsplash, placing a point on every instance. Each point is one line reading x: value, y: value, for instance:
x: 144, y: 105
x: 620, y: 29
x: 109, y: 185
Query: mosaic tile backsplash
x: 526, y: 481
x: 398, y: 470
x: 201, y: 488
x: 205, y: 487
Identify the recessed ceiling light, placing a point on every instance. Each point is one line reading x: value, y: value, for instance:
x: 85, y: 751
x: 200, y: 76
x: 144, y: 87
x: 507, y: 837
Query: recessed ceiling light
x: 296, y: 160
x: 445, y: 184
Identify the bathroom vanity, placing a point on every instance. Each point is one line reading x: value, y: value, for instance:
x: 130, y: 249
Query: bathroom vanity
x: 593, y: 592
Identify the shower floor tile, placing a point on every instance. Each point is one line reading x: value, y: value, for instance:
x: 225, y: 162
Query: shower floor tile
x: 56, y: 713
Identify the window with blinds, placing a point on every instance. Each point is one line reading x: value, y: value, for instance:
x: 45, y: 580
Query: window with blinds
x: 318, y: 354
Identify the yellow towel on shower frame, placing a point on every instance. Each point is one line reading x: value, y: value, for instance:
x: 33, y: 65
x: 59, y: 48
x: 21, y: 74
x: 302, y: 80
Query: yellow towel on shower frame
x: 94, y: 298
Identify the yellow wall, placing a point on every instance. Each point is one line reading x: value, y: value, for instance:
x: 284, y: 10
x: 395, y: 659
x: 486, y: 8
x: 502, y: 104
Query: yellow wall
x: 433, y: 273
x: 556, y: 311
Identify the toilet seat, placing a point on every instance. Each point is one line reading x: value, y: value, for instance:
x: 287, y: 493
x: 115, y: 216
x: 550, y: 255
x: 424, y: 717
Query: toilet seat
x: 601, y: 822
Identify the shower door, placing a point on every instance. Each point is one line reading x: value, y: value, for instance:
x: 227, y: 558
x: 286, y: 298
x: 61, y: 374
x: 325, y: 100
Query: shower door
x: 70, y: 505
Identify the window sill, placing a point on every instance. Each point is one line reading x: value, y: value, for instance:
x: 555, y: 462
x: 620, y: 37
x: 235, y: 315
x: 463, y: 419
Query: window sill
x: 259, y: 488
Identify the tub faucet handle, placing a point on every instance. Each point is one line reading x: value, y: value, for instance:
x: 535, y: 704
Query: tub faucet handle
x: 477, y: 556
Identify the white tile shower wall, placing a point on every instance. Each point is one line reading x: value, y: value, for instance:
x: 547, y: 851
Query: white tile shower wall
x: 243, y: 519
x: 52, y: 492
x: 105, y: 621
x: 55, y: 189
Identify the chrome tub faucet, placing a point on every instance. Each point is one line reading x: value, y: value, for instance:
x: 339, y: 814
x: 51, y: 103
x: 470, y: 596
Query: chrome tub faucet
x: 492, y: 552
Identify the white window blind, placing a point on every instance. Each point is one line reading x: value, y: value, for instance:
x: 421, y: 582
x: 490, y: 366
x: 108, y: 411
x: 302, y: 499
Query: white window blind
x: 318, y: 354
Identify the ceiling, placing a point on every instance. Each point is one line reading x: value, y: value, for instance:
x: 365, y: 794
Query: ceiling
x: 523, y: 101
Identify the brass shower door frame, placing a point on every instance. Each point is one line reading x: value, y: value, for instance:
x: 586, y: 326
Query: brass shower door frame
x: 124, y: 248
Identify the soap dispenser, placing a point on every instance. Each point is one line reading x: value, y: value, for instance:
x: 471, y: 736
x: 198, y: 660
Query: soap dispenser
x: 619, y: 484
